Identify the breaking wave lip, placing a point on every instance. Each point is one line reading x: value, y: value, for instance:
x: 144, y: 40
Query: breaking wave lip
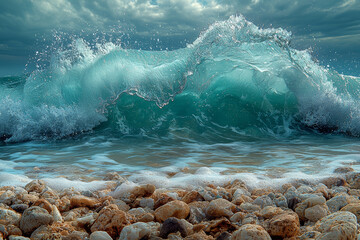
x: 235, y: 77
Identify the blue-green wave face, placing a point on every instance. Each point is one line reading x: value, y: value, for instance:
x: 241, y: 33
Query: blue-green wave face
x: 235, y: 79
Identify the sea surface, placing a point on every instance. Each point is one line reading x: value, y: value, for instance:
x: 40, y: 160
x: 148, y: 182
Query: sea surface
x: 239, y: 102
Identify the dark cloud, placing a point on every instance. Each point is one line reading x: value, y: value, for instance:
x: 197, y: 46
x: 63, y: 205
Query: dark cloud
x: 334, y: 24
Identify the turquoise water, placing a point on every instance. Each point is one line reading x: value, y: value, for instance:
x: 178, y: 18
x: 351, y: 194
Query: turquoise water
x: 239, y: 101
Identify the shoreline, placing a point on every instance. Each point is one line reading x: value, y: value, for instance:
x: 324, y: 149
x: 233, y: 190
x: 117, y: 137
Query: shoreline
x: 302, y: 209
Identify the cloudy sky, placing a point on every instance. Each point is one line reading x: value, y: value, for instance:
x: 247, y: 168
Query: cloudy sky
x: 330, y: 27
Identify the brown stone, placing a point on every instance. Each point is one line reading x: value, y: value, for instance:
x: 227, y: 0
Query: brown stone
x: 353, y: 208
x: 251, y: 232
x: 192, y: 197
x: 174, y: 208
x: 162, y: 200
x: 220, y: 208
x: 43, y: 204
x: 111, y: 220
x: 82, y: 201
x: 216, y: 227
x: 285, y: 225
x: 35, y: 186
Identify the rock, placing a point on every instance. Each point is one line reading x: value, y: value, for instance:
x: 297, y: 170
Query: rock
x: 224, y: 236
x: 162, y: 200
x: 270, y: 211
x: 20, y: 208
x: 197, y: 211
x: 28, y: 198
x: 313, y: 209
x: 142, y: 215
x: 43, y: 204
x: 100, y: 235
x: 309, y: 235
x: 280, y: 200
x: 251, y: 232
x: 56, y: 214
x: 220, y: 208
x: 192, y: 196
x: 344, y: 170
x: 336, y: 203
x: 13, y: 237
x: 13, y: 230
x: 219, y: 225
x: 78, y: 235
x: 353, y: 208
x: 8, y: 216
x: 334, y: 181
x: 263, y: 201
x: 35, y: 186
x: 112, y: 220
x: 285, y: 225
x: 292, y: 202
x: 33, y: 218
x: 174, y: 208
x: 7, y: 197
x: 339, y: 225
x: 82, y: 201
x: 135, y: 231
x: 44, y: 232
x: 249, y: 207
x: 121, y: 205
x: 237, y: 217
x: 114, y: 176
x: 147, y: 203
x: 201, y: 235
x: 173, y: 225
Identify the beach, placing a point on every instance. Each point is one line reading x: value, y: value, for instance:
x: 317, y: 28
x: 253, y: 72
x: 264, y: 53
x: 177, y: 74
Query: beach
x: 122, y: 209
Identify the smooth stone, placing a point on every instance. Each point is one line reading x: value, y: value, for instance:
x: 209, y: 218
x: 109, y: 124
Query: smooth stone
x: 251, y: 232
x: 174, y: 208
x: 285, y: 225
x: 336, y: 203
x: 220, y: 208
x: 82, y: 201
x: 20, y: 208
x: 9, y: 216
x: 35, y: 186
x: 100, y: 235
x: 135, y: 231
x: 173, y: 225
x: 339, y: 225
x: 33, y: 218
x: 353, y: 208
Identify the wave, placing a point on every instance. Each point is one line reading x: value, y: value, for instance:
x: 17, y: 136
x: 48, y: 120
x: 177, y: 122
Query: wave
x: 235, y: 78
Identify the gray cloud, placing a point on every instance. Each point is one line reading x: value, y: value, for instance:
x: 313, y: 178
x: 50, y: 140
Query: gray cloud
x: 333, y: 23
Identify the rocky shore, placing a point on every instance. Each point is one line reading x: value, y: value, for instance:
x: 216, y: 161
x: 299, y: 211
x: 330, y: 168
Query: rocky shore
x: 329, y: 209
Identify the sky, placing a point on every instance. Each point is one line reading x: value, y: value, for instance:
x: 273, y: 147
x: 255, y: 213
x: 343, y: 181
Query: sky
x: 331, y: 28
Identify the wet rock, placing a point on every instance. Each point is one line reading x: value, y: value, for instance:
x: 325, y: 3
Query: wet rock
x: 192, y: 196
x: 280, y: 200
x: 334, y: 181
x: 336, y: 203
x: 175, y: 208
x: 9, y: 216
x: 35, y: 186
x: 209, y: 194
x: 20, y: 208
x: 14, y: 237
x: 270, y: 211
x: 339, y: 225
x: 249, y: 207
x: 218, y: 226
x: 353, y: 208
x: 100, y: 235
x: 197, y: 211
x: 135, y: 231
x: 121, y: 205
x: 147, y: 203
x: 8, y: 197
x: 43, y: 204
x: 28, y: 198
x: 251, y: 232
x: 162, y: 200
x: 33, y: 218
x: 220, y: 208
x: 309, y: 235
x: 237, y: 217
x: 292, y: 202
x: 201, y: 235
x: 142, y: 215
x: 285, y: 225
x: 82, y: 201
x: 173, y: 225
x: 263, y: 201
x: 114, y: 176
x: 312, y: 209
x: 112, y: 220
x: 344, y: 170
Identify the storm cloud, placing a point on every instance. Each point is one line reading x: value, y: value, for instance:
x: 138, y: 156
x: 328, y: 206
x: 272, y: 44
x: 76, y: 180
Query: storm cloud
x: 330, y: 26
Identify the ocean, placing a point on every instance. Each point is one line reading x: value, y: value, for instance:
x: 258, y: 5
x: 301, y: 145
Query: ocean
x: 237, y: 103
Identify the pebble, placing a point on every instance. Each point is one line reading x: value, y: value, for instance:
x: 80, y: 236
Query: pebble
x: 33, y: 218
x: 174, y: 208
x: 100, y: 235
x: 220, y: 208
x: 251, y: 232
